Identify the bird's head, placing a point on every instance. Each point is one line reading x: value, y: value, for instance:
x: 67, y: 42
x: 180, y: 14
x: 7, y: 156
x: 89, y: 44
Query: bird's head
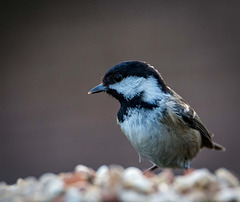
x: 132, y: 80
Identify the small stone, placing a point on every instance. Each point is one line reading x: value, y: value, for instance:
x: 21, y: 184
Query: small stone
x: 73, y: 195
x: 201, y: 178
x: 76, y: 179
x: 110, y: 180
x: 54, y: 187
x: 46, y: 177
x: 163, y: 187
x: 82, y: 168
x: 196, y: 195
x: 166, y: 176
x: 93, y: 194
x: 133, y: 178
x: 228, y: 194
x: 3, y: 187
x: 102, y: 176
x: 89, y: 172
x: 115, y: 178
x: 132, y: 196
x: 51, y: 185
x: 170, y: 196
x: 20, y: 181
x: 227, y: 178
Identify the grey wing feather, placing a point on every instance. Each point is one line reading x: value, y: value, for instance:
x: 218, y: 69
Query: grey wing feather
x: 192, y: 120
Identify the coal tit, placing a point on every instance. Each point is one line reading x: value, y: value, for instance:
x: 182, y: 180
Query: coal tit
x: 160, y: 125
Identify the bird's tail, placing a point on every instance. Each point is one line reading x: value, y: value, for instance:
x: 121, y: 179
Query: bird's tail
x: 217, y: 146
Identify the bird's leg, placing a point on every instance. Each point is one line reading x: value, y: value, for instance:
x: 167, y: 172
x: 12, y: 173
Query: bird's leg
x: 187, y: 164
x: 154, y: 167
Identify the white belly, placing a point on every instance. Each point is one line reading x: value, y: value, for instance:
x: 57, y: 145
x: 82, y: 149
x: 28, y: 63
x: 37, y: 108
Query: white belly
x: 156, y: 141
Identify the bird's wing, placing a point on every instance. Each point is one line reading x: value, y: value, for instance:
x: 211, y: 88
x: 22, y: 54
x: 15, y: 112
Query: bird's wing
x: 190, y: 118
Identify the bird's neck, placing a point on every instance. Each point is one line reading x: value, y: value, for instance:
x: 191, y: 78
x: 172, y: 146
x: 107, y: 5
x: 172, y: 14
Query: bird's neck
x: 135, y: 103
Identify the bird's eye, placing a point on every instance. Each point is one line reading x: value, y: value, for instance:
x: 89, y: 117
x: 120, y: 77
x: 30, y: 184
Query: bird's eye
x: 117, y: 78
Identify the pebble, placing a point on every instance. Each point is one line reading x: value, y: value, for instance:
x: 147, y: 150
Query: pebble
x: 228, y: 195
x: 134, y: 179
x: 201, y: 179
x: 73, y: 195
x: 227, y: 177
x: 102, y: 176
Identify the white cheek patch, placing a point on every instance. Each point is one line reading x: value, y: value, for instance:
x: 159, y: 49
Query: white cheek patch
x: 194, y: 114
x: 128, y: 87
x: 133, y: 86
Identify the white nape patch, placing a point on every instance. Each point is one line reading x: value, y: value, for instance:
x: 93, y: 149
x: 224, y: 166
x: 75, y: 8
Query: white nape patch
x: 194, y: 114
x: 133, y: 86
x: 186, y: 109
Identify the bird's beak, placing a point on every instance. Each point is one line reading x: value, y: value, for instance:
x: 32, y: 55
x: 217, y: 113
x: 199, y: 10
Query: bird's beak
x: 98, y: 89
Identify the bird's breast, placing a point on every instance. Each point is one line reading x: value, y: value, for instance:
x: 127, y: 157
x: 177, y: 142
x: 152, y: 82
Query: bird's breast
x: 143, y: 128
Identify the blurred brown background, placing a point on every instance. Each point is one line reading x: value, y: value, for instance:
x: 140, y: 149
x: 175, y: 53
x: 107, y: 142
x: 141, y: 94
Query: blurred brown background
x: 53, y: 52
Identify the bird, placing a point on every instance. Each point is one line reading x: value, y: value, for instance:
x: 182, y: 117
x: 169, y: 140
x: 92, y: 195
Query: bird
x: 159, y: 123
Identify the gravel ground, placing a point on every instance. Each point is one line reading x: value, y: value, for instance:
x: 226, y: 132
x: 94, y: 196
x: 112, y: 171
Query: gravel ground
x: 114, y: 183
